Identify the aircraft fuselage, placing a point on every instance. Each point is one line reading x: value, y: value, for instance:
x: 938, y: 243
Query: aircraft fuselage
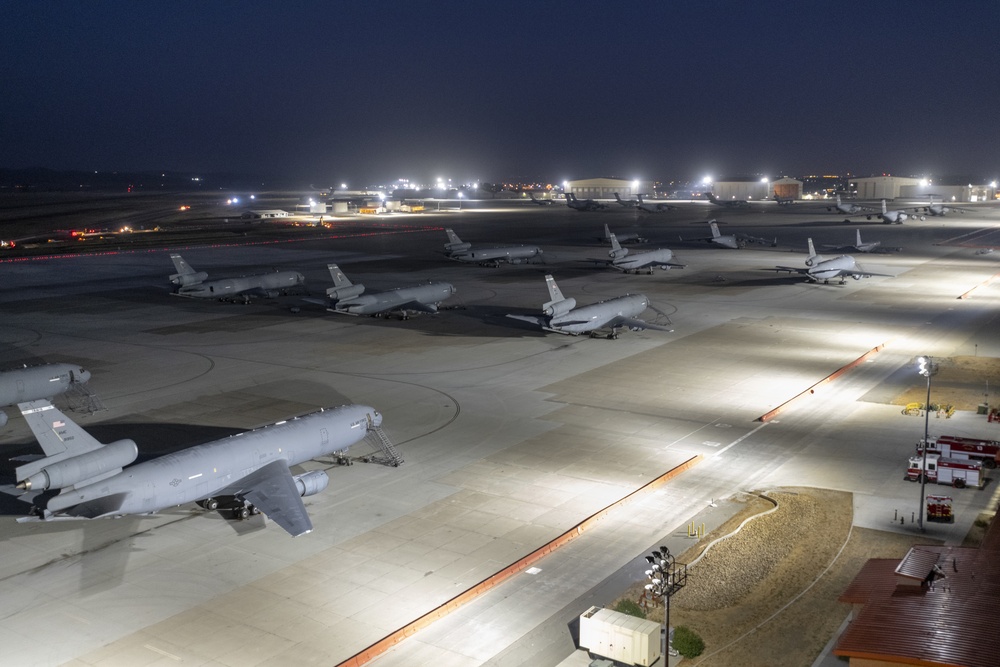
x: 227, y: 288
x: 596, y: 315
x: 509, y: 254
x: 380, y: 302
x: 216, y: 468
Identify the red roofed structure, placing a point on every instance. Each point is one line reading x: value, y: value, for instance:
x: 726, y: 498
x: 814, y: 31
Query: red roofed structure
x: 939, y: 606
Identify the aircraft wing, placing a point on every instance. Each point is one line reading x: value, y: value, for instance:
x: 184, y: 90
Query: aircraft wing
x: 417, y: 305
x: 861, y: 273
x: 789, y: 269
x: 635, y: 324
x: 273, y: 491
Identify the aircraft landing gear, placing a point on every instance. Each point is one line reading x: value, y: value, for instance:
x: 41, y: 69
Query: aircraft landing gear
x: 613, y: 335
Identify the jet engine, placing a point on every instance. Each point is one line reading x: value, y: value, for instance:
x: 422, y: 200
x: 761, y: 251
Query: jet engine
x: 69, y: 471
x: 856, y: 276
x: 185, y: 279
x: 312, y: 482
x: 557, y: 308
x: 457, y: 247
x: 345, y: 292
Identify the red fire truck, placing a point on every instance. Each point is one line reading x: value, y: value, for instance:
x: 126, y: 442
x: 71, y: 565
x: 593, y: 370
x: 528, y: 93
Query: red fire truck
x: 956, y: 447
x: 941, y: 470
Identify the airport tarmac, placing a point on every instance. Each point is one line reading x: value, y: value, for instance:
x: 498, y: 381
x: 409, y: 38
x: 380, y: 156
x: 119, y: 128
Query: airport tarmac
x: 510, y: 436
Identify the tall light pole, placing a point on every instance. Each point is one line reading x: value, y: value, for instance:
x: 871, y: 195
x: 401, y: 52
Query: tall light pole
x: 927, y: 369
x: 665, y: 579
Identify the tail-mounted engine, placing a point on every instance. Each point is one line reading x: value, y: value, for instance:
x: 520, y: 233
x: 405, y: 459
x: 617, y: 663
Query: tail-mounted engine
x: 185, y: 279
x: 95, y: 463
x: 557, y: 308
x: 345, y: 292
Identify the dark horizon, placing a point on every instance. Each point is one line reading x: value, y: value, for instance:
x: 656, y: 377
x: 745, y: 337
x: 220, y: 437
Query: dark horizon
x: 369, y: 94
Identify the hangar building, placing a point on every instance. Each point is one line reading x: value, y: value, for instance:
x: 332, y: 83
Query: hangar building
x: 893, y: 187
x: 605, y: 188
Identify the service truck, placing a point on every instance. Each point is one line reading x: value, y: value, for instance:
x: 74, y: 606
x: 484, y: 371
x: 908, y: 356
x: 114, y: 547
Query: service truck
x: 620, y: 637
x: 957, y: 447
x: 942, y: 470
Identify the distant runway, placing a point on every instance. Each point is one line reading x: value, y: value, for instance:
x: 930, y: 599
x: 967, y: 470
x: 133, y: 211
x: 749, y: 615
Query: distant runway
x: 511, y: 436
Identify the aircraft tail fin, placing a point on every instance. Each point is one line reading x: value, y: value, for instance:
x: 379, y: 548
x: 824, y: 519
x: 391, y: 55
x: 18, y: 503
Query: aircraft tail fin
x: 812, y: 253
x: 715, y: 229
x: 72, y: 456
x: 885, y: 209
x: 339, y: 279
x: 452, y: 236
x: 183, y: 268
x: 607, y: 232
x: 616, y: 248
x: 858, y: 231
x: 555, y: 294
x: 618, y: 198
x: 838, y: 200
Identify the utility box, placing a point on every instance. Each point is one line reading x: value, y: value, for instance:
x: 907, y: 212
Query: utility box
x: 623, y: 638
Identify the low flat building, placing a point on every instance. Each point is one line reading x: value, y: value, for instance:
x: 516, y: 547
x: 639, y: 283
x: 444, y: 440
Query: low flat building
x: 605, y: 188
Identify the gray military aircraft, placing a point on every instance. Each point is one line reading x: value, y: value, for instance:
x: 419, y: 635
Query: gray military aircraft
x: 243, y: 474
x: 460, y: 251
x: 657, y: 207
x: 939, y: 209
x: 817, y: 268
x: 349, y: 299
x: 857, y: 246
x: 734, y: 241
x: 540, y: 202
x: 32, y: 383
x: 191, y: 283
x: 627, y: 203
x: 727, y: 203
x: 585, y: 205
x: 625, y: 260
x: 562, y: 316
x: 622, y: 238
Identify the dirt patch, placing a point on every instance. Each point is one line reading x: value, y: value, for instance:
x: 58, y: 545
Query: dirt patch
x: 959, y: 382
x: 768, y: 595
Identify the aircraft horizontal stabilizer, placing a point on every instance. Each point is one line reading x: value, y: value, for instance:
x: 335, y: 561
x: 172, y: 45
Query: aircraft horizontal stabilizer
x: 530, y: 319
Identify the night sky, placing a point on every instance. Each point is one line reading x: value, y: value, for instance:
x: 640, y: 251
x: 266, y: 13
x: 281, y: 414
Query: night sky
x: 367, y: 92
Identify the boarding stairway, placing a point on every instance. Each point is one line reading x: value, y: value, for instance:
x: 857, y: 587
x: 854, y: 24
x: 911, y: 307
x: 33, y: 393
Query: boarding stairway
x: 82, y: 399
x: 389, y: 455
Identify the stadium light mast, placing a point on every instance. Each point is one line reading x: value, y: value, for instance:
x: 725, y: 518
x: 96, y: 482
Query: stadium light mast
x: 927, y: 368
x: 665, y: 579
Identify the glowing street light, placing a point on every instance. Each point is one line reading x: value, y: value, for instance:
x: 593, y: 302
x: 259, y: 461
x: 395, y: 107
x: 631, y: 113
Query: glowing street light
x: 665, y: 579
x: 460, y: 196
x: 927, y: 368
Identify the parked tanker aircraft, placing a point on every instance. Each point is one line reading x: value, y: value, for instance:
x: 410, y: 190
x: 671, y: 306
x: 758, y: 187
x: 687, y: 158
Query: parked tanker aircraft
x: 727, y: 203
x: 847, y: 209
x: 585, y: 205
x: 734, y: 241
x: 347, y: 298
x: 622, y: 238
x: 494, y: 256
x: 561, y: 315
x: 191, y: 283
x: 627, y: 203
x: 654, y: 207
x: 857, y: 246
x: 540, y: 202
x: 625, y: 260
x: 940, y: 209
x: 32, y: 383
x: 243, y: 474
x: 819, y: 269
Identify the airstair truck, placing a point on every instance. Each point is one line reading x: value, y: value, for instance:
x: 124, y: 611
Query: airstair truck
x: 620, y: 637
x: 942, y: 470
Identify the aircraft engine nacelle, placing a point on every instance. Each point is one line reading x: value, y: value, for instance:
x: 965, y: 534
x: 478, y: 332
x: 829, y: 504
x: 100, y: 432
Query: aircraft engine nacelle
x: 312, y: 482
x: 809, y: 262
x: 560, y: 307
x: 3, y: 418
x: 515, y: 260
x: 346, y: 292
x: 185, y: 279
x: 615, y: 254
x: 457, y: 247
x: 65, y: 473
x: 665, y: 267
x: 856, y: 276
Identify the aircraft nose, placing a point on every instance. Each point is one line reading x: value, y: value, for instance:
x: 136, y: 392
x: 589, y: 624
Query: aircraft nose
x: 84, y: 375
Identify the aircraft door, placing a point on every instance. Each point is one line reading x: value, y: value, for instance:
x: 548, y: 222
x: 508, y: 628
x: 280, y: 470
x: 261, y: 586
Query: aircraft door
x: 20, y: 391
x: 324, y: 437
